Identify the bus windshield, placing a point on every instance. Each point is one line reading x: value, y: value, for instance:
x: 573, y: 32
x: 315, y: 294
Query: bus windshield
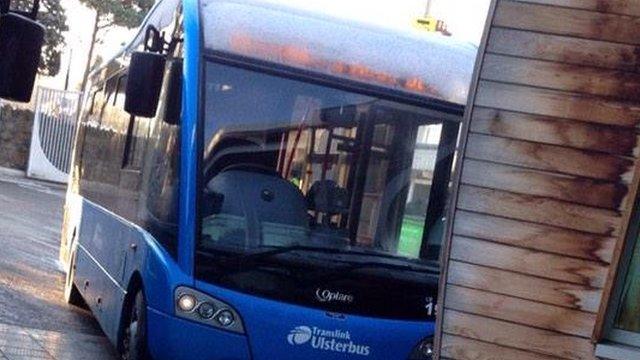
x: 298, y: 177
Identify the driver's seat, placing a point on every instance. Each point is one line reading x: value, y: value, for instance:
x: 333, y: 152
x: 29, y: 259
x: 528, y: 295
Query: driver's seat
x: 254, y: 203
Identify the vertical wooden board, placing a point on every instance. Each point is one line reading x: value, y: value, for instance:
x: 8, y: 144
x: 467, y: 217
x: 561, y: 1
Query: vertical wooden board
x: 567, y: 22
x: 524, y: 261
x: 564, y: 49
x: 574, y: 78
x: 623, y: 7
x: 520, y: 311
x: 517, y: 336
x: 554, y: 131
x: 456, y: 347
x: 579, y: 297
x: 539, y: 210
x: 532, y: 182
x: 549, y: 158
x: 556, y: 103
x: 534, y: 236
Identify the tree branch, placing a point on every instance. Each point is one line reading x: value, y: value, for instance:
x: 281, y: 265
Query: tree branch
x: 106, y: 25
x: 46, y: 6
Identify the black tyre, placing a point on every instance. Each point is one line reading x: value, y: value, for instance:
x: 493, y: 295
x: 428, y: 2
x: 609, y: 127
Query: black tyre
x: 134, y: 330
x: 71, y: 294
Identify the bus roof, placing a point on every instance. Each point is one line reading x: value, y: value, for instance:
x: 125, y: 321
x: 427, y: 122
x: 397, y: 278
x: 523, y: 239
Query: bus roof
x: 425, y: 64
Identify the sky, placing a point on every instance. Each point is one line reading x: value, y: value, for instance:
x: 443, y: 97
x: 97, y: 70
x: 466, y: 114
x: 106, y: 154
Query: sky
x: 465, y: 20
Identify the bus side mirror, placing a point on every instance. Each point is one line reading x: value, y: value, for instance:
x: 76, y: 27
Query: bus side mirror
x: 144, y: 83
x: 21, y: 40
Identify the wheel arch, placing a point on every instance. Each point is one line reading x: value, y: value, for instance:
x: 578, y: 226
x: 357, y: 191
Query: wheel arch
x: 134, y: 285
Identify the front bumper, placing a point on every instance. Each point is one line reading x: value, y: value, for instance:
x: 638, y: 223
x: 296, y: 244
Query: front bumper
x: 173, y: 338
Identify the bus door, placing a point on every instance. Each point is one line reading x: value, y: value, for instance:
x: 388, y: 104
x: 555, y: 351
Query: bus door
x: 376, y: 180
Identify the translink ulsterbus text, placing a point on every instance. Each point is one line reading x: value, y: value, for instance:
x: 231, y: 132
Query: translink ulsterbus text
x: 327, y: 340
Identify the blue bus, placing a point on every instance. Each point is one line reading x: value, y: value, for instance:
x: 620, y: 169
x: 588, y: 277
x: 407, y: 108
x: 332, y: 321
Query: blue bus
x: 257, y: 181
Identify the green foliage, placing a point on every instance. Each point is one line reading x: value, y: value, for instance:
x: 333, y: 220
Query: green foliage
x: 52, y: 16
x: 126, y: 13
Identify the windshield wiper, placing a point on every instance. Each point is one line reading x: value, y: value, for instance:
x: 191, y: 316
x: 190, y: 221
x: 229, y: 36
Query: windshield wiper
x: 286, y: 249
x: 238, y: 262
x: 242, y: 260
x: 249, y: 257
x: 353, y: 264
x: 356, y: 265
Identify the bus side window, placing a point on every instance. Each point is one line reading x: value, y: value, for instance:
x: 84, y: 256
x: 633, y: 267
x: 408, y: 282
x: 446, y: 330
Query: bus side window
x: 106, y: 109
x: 136, y: 135
x: 91, y: 136
x: 162, y: 163
x: 121, y: 87
x: 95, y: 109
x: 137, y: 132
x: 127, y: 157
x: 92, y: 102
x: 100, y: 146
x: 86, y: 117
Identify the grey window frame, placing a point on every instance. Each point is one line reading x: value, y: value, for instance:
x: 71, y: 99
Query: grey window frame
x: 632, y: 240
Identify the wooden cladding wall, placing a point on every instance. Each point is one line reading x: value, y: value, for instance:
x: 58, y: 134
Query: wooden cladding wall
x: 544, y: 187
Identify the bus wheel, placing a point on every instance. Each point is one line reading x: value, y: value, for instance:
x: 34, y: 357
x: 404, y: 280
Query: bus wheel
x: 71, y: 294
x: 134, y: 339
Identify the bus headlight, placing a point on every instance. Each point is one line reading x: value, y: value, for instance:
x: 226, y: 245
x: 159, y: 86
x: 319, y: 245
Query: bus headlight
x: 206, y: 310
x: 196, y: 306
x: 225, y: 318
x: 423, y: 351
x: 186, y: 302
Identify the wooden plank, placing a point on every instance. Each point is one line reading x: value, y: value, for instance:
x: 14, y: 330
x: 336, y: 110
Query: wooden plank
x: 552, y: 158
x: 544, y: 180
x: 567, y: 22
x: 524, y: 261
x: 612, y: 282
x: 556, y: 103
x: 456, y: 347
x: 564, y: 49
x: 534, y: 236
x: 533, y: 182
x: 553, y: 292
x: 622, y: 7
x: 520, y: 311
x: 554, y: 131
x: 539, y: 210
x: 623, y: 85
x: 517, y: 336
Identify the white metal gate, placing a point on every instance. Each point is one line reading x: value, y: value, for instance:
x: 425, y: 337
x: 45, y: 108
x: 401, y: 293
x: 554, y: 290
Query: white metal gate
x: 54, y: 127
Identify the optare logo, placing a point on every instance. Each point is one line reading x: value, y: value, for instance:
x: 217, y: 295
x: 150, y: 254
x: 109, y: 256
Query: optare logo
x: 300, y: 335
x: 327, y: 296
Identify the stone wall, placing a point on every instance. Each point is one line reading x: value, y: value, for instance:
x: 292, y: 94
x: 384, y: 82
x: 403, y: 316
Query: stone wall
x: 15, y: 136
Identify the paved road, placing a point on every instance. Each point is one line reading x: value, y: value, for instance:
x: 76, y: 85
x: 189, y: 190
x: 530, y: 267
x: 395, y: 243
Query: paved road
x: 35, y: 322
